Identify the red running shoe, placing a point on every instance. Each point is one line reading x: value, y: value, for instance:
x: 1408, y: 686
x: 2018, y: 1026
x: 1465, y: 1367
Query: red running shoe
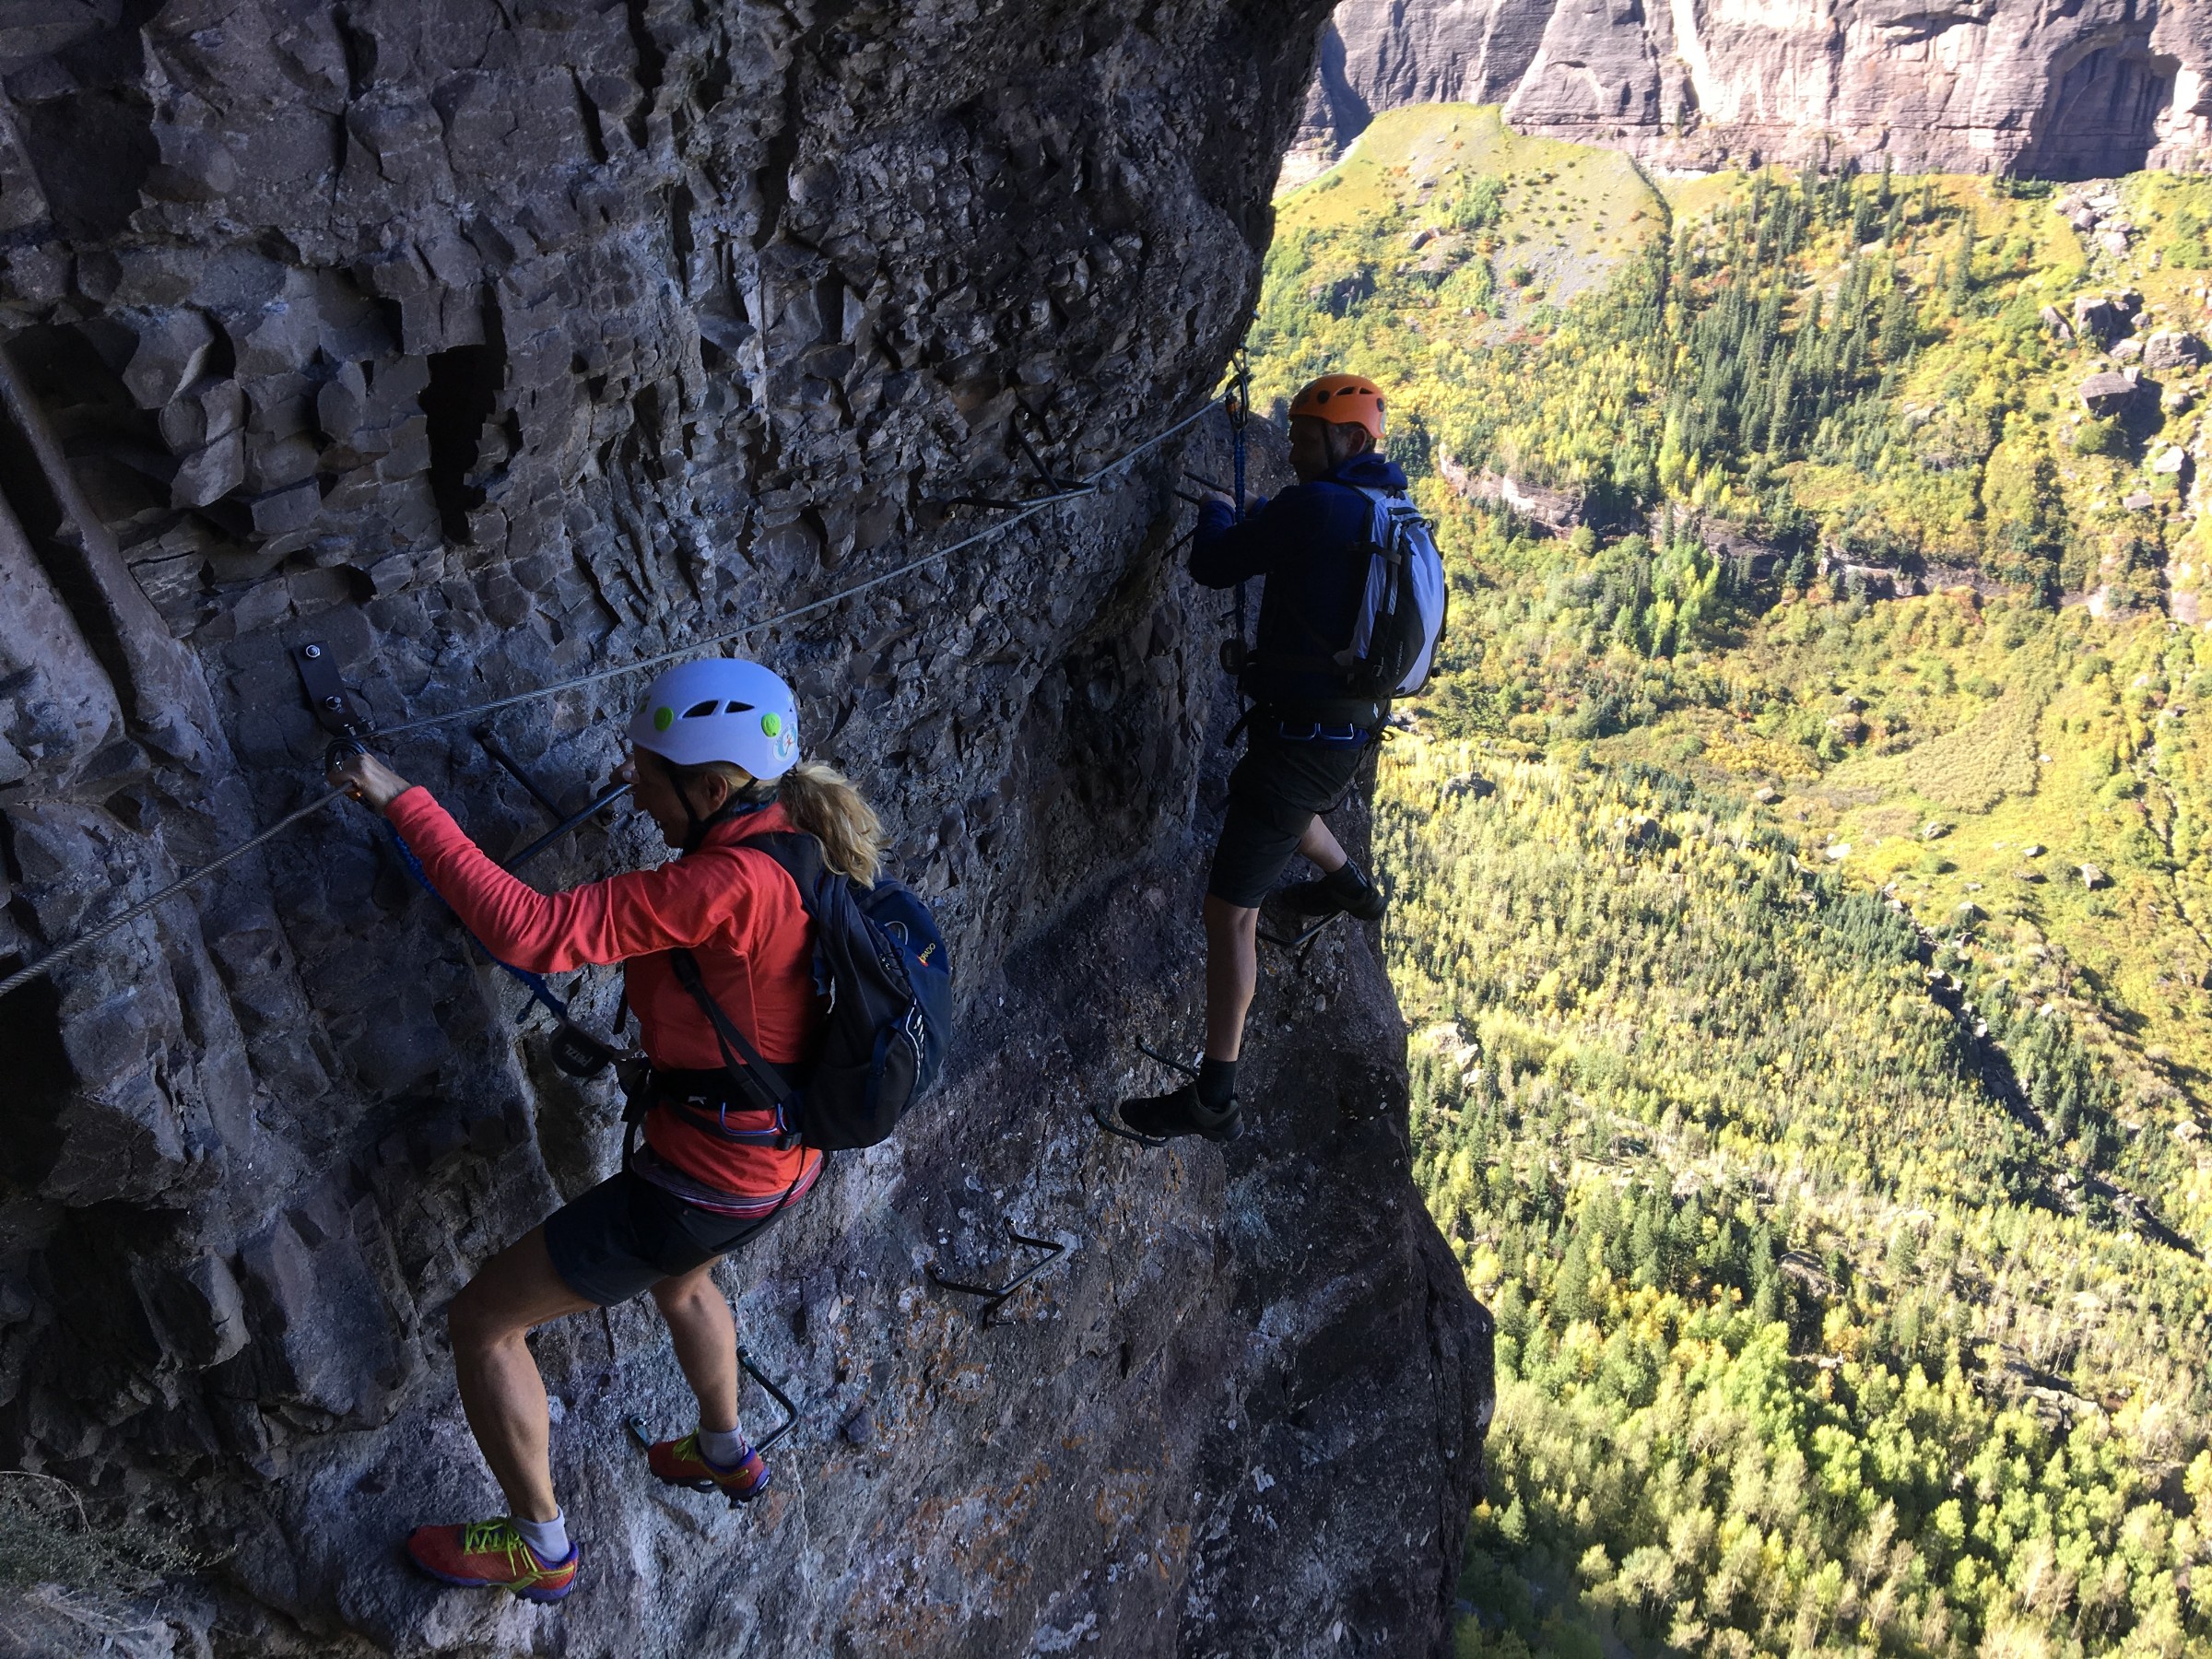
x: 681, y: 1463
x: 490, y: 1555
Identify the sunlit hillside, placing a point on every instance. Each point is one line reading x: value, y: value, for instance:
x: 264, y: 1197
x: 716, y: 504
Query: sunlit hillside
x: 1800, y: 871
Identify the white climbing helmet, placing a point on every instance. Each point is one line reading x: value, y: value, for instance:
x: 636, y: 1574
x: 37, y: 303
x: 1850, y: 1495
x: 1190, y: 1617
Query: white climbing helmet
x: 722, y: 709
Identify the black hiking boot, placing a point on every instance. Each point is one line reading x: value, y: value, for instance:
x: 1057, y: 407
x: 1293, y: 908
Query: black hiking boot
x: 1179, y: 1111
x: 1343, y: 892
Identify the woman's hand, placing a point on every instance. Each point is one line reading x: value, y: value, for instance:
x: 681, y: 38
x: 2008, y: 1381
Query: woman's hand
x: 372, y: 782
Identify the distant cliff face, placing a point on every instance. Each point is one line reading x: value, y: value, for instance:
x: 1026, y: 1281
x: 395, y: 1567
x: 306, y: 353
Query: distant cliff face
x: 1992, y: 86
x: 486, y: 345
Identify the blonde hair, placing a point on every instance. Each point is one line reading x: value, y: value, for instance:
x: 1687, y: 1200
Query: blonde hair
x: 817, y: 798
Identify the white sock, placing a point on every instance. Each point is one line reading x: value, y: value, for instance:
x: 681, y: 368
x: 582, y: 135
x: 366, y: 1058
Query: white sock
x: 722, y: 1447
x: 548, y: 1540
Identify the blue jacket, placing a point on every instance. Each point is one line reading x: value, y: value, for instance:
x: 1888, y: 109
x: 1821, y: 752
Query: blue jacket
x: 1312, y: 546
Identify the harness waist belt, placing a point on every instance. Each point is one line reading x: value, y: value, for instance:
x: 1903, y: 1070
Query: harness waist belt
x: 706, y: 1098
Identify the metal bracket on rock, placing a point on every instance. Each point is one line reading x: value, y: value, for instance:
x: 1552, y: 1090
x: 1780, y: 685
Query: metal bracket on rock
x: 339, y: 708
x: 635, y: 1422
x: 1056, y: 489
x: 564, y: 822
x: 515, y: 769
x: 1107, y: 1118
x: 999, y: 1295
x: 1299, y: 940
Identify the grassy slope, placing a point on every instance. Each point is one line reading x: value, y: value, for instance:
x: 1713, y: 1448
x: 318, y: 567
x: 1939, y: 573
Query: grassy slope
x: 1565, y: 214
x: 1950, y: 1225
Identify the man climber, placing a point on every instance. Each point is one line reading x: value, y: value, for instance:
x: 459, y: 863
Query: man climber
x: 1305, y: 737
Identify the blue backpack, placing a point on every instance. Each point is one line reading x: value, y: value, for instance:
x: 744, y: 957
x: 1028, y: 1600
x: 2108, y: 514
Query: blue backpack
x: 881, y: 961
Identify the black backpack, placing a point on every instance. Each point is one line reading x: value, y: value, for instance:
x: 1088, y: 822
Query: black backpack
x: 881, y: 961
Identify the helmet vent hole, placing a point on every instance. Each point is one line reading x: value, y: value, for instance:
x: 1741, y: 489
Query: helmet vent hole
x: 696, y: 711
x: 738, y: 708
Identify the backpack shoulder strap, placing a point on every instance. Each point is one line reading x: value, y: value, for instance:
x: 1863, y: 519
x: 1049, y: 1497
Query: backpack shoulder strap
x: 800, y: 854
x: 754, y: 1076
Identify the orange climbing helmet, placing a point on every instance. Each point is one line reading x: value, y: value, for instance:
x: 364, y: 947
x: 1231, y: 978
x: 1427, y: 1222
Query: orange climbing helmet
x: 1342, y: 400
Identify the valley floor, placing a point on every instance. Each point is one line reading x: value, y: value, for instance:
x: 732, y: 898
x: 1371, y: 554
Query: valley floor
x: 1813, y: 1042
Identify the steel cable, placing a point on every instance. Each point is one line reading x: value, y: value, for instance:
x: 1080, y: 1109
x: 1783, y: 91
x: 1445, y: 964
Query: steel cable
x: 723, y: 638
x: 76, y: 946
x: 83, y: 942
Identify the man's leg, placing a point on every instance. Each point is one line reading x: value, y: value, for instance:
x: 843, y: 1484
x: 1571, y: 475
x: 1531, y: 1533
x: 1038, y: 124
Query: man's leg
x: 1340, y: 888
x: 1232, y: 974
x: 501, y: 1390
x: 1319, y: 846
x: 705, y: 1338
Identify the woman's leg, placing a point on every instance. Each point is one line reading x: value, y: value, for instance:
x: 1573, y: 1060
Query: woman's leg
x: 705, y: 1339
x: 501, y: 1390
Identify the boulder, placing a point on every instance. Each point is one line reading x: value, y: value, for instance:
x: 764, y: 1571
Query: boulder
x: 2172, y: 348
x: 2092, y: 877
x: 2107, y: 394
x: 2095, y: 317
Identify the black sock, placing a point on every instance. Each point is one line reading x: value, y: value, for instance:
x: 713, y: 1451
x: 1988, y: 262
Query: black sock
x: 1346, y: 879
x: 1217, y: 1082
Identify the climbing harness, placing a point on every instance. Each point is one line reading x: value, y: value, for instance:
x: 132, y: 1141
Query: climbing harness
x: 350, y: 697
x: 635, y: 1422
x: 998, y: 1296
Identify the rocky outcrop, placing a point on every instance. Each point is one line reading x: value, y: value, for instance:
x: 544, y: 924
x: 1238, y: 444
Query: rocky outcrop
x: 486, y: 347
x: 2072, y: 92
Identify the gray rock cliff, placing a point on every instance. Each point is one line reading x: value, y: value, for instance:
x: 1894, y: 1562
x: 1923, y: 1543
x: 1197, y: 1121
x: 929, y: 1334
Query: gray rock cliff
x: 487, y: 346
x: 1998, y: 87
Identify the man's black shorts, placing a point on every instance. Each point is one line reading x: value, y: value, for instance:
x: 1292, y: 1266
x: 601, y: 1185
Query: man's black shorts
x: 1274, y: 794
x: 625, y: 1235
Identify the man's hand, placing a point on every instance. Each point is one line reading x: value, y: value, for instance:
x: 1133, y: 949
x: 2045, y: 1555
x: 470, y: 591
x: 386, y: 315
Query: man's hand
x: 372, y: 782
x: 1214, y: 497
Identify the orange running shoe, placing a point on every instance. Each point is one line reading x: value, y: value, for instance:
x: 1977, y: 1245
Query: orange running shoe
x: 681, y: 1463
x: 490, y: 1555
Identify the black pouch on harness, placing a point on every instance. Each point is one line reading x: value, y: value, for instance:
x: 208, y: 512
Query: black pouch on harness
x: 579, y: 1053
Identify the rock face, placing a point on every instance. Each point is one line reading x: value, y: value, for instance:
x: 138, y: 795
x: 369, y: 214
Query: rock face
x: 2004, y: 86
x: 487, y: 346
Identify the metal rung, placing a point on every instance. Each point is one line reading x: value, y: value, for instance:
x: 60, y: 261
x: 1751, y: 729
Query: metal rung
x: 998, y: 1295
x: 635, y: 1421
x: 1303, y: 939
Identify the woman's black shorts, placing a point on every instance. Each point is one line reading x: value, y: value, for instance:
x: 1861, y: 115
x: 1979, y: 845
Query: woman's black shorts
x: 1274, y: 794
x: 625, y: 1235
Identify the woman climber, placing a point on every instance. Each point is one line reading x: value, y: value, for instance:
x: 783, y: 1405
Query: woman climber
x: 714, y: 760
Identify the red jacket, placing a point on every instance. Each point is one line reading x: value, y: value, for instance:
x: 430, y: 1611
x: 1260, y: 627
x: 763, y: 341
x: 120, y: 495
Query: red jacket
x: 736, y: 907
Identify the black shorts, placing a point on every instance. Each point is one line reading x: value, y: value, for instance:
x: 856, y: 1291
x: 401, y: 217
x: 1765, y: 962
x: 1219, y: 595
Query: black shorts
x: 626, y: 1235
x: 1274, y: 795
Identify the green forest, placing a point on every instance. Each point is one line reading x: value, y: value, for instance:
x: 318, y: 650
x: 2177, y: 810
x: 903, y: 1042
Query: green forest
x: 1800, y: 868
